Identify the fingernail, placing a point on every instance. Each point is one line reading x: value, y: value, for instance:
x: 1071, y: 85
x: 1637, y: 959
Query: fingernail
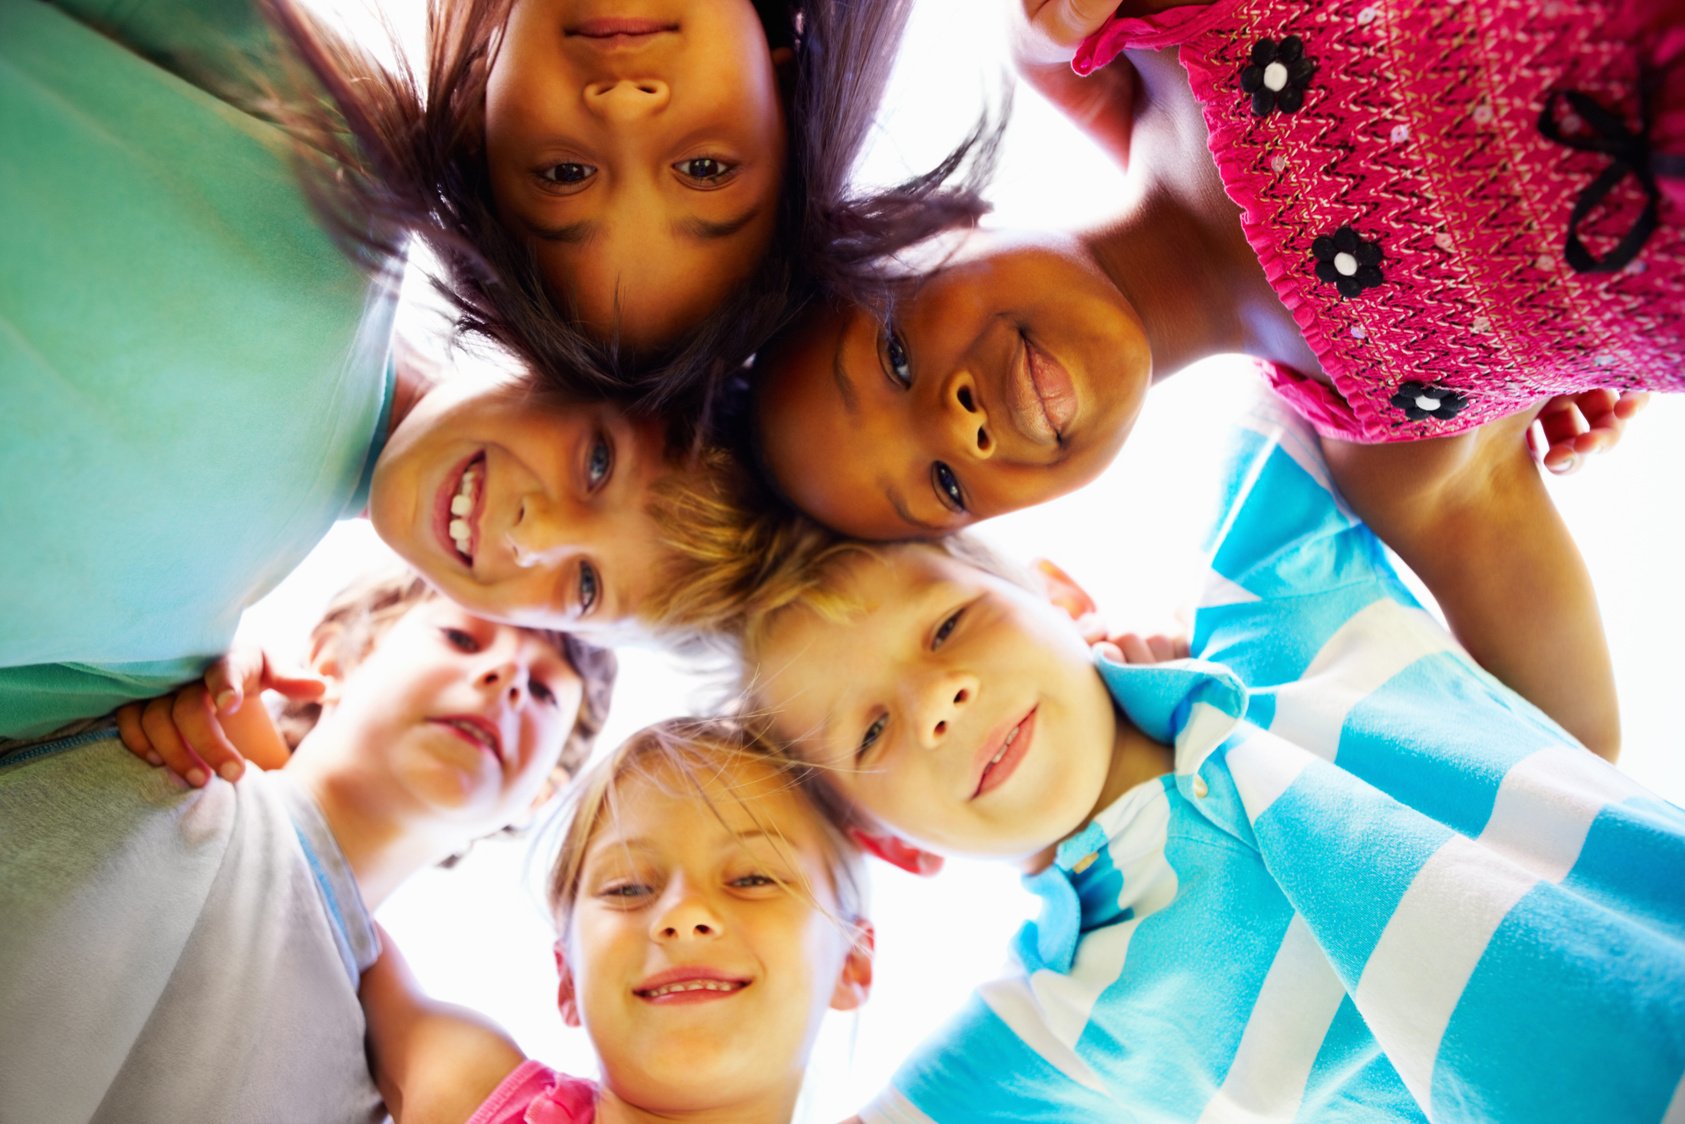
x: 154, y: 759
x: 196, y: 777
x: 226, y: 699
x: 230, y: 771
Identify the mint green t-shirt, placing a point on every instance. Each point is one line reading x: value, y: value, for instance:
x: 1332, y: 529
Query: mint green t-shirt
x: 192, y: 377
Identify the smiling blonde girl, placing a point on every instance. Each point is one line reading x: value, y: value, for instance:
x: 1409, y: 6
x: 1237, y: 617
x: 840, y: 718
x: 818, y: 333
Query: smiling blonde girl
x: 708, y: 916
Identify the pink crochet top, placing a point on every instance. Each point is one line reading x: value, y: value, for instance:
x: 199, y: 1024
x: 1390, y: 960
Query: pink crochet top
x: 1467, y: 205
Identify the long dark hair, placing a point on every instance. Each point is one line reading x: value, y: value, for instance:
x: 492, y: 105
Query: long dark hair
x: 386, y: 157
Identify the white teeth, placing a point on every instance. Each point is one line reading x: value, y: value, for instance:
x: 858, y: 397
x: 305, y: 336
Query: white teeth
x: 462, y: 504
x: 693, y: 985
x: 1011, y: 736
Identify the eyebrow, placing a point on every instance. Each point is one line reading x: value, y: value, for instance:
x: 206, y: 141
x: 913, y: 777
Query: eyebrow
x: 571, y: 234
x: 713, y: 231
x: 851, y: 401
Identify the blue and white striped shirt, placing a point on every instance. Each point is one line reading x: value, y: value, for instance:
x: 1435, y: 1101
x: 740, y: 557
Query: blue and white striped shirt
x: 1379, y: 884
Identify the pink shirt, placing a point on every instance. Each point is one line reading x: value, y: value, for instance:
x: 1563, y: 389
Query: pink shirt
x: 536, y: 1094
x: 1408, y: 173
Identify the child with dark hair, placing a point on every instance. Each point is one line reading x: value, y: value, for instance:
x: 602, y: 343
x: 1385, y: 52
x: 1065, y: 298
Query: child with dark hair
x: 197, y: 384
x: 146, y: 923
x: 1413, y: 217
x: 630, y: 198
x: 1327, y: 868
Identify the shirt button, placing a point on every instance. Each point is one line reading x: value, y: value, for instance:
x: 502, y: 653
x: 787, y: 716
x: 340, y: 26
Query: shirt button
x: 1200, y: 787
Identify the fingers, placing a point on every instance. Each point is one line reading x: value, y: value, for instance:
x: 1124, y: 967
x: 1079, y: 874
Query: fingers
x: 1134, y: 648
x: 157, y: 721
x: 294, y: 683
x: 182, y: 731
x: 196, y: 720
x: 133, y: 737
x: 1571, y: 427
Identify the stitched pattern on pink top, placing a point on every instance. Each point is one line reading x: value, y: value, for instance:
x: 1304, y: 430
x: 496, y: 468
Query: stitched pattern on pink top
x: 1417, y: 155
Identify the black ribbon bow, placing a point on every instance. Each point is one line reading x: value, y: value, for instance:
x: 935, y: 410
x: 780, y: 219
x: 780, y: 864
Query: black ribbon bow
x: 1629, y: 155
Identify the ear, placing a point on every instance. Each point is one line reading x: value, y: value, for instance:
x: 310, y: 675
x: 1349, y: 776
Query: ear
x: 566, y: 1001
x: 1061, y: 590
x: 855, y: 983
x: 896, y: 852
x: 324, y: 661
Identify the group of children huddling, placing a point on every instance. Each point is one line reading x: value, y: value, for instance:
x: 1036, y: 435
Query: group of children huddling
x: 1325, y: 859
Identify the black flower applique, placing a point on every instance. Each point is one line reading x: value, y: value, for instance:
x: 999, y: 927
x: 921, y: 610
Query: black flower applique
x: 1421, y: 400
x: 1277, y: 76
x: 1348, y: 262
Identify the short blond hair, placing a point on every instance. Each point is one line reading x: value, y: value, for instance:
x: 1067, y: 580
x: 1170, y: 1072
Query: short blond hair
x: 693, y: 749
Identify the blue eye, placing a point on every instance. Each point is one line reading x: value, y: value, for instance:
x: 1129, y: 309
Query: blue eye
x: 600, y: 465
x: 873, y: 733
x: 753, y: 881
x: 566, y: 174
x: 947, y: 487
x: 623, y: 890
x: 589, y: 588
x: 707, y: 170
x: 946, y: 629
x: 896, y: 363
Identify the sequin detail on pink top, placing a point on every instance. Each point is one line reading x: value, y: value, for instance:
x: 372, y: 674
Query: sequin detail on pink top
x: 1399, y: 180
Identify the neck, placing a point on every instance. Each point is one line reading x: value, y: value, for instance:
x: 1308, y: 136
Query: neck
x: 382, y: 844
x: 1177, y: 252
x: 774, y: 1107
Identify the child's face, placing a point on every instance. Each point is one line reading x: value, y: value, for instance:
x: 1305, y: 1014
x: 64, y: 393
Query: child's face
x: 696, y: 957
x: 957, y: 710
x: 1003, y: 381
x: 639, y: 149
x: 467, y: 717
x: 522, y: 509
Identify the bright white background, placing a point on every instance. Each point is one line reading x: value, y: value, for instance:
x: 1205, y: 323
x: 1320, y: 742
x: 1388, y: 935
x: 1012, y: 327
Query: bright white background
x: 478, y: 935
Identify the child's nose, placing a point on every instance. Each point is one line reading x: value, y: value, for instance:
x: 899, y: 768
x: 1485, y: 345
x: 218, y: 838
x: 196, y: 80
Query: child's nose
x: 686, y: 917
x: 626, y: 101
x: 505, y: 675
x: 967, y: 420
x: 945, y: 699
x: 541, y: 535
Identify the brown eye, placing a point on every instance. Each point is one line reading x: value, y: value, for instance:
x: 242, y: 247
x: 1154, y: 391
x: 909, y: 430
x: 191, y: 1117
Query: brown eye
x: 705, y: 170
x: 460, y: 640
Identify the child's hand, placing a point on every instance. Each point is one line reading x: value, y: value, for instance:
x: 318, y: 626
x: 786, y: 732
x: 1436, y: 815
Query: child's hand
x: 1571, y: 427
x: 1133, y: 647
x: 183, y: 730
x: 1048, y: 32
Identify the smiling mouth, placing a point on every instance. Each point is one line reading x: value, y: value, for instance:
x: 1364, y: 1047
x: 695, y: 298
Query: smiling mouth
x: 1039, y: 394
x: 692, y: 990
x: 457, y: 518
x: 475, y: 731
x: 1000, y: 767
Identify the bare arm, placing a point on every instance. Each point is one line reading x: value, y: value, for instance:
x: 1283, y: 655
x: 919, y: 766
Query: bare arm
x: 1471, y: 516
x: 1045, y: 36
x: 433, y: 1062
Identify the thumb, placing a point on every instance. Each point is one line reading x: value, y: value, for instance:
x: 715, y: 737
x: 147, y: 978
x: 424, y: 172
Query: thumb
x: 230, y: 678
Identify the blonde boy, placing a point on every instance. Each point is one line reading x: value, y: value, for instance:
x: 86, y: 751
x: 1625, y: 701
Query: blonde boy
x: 182, y: 953
x: 1329, y: 869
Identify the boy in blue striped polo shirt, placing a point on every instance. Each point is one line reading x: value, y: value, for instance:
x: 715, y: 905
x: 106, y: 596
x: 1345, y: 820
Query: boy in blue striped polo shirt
x: 1326, y: 869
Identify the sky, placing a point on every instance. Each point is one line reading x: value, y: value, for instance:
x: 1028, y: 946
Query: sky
x: 477, y: 934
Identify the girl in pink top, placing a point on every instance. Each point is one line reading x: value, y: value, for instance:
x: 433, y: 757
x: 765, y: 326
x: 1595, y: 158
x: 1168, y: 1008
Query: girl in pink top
x: 1431, y: 222
x: 708, y: 916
